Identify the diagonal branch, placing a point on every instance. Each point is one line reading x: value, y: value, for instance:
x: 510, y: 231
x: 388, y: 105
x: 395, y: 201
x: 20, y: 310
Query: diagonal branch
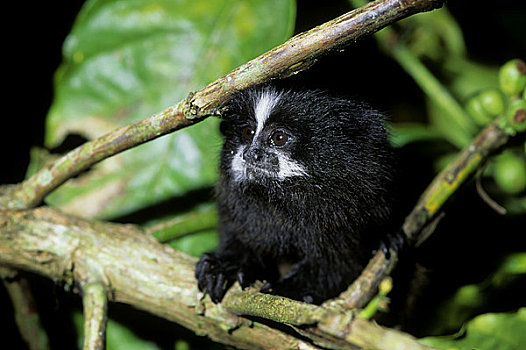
x: 295, y: 55
x: 444, y: 185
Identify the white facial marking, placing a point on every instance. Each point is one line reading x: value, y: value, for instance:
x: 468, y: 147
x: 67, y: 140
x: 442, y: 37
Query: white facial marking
x: 265, y: 102
x: 289, y: 167
x: 238, y: 165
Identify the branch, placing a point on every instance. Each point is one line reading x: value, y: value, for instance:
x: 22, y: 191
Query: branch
x: 95, y: 316
x: 301, y: 52
x: 467, y: 162
x: 444, y: 185
x: 139, y: 271
x: 133, y: 267
x: 26, y: 316
x: 295, y: 55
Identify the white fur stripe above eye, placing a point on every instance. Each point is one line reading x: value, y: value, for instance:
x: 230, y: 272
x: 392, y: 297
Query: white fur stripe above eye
x: 264, y: 103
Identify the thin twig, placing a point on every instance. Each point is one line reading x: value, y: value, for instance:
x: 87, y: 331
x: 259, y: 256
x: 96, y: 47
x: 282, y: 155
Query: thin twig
x: 467, y: 162
x: 95, y: 304
x: 26, y: 315
x: 487, y: 199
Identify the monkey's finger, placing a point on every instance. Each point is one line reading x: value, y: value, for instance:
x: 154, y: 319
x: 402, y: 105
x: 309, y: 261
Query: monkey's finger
x: 219, y: 289
x: 395, y: 241
x: 201, y: 271
x: 210, y: 280
x: 241, y: 278
x: 267, y: 288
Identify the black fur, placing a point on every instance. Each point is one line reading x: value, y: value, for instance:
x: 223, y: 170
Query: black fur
x: 325, y: 223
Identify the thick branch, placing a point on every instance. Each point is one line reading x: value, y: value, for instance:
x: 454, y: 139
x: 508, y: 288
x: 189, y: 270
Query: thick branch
x: 139, y: 271
x: 296, y: 55
x: 133, y: 267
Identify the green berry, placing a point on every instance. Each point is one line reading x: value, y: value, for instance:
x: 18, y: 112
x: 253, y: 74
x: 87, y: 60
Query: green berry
x: 516, y: 115
x: 492, y: 101
x: 510, y: 173
x: 512, y: 77
x: 477, y: 112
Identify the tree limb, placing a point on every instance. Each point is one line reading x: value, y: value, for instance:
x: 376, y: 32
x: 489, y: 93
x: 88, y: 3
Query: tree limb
x: 139, y: 271
x: 133, y: 267
x: 295, y: 55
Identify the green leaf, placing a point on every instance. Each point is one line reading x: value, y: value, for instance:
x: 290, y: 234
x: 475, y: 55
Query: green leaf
x: 125, y: 60
x: 513, y: 265
x: 473, y: 299
x: 498, y: 331
x: 173, y: 227
x: 197, y: 244
x: 435, y: 35
x: 118, y: 336
x: 405, y: 133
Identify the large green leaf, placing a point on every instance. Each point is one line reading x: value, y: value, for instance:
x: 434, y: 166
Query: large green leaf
x: 127, y: 59
x: 499, y: 331
x: 473, y: 299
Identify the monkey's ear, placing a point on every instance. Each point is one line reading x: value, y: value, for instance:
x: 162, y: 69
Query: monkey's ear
x: 225, y: 127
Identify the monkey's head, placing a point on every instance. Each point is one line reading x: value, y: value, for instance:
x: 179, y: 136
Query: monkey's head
x: 290, y: 141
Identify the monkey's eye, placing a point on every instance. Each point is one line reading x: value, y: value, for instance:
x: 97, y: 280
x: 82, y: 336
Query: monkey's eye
x: 248, y: 133
x: 279, y: 138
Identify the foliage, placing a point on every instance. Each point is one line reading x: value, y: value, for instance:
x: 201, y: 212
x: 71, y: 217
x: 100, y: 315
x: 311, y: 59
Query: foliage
x: 484, y: 93
x: 489, y: 331
x: 125, y: 60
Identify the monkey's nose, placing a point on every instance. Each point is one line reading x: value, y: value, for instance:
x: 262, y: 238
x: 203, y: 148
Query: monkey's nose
x: 252, y: 154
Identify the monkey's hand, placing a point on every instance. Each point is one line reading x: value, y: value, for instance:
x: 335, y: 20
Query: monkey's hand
x: 216, y: 273
x: 393, y: 240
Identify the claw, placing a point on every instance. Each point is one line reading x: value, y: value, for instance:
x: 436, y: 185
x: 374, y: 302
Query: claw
x: 241, y: 279
x: 200, y: 273
x: 219, y: 289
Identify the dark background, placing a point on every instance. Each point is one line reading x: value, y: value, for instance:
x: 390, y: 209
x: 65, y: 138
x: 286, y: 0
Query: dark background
x: 33, y: 36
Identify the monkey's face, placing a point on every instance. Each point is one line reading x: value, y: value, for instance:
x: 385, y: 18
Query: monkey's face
x: 258, y: 147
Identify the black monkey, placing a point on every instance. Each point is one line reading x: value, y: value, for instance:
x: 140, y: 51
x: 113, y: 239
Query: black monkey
x: 306, y: 182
